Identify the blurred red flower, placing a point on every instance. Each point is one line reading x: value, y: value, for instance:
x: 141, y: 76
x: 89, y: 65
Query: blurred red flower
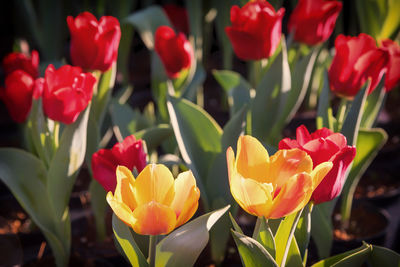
x: 66, y: 93
x: 94, y: 44
x: 19, y: 61
x: 129, y: 153
x: 256, y: 30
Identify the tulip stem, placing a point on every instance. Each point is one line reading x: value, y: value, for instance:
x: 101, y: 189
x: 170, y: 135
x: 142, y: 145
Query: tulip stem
x: 341, y: 112
x: 289, y: 241
x: 152, y: 250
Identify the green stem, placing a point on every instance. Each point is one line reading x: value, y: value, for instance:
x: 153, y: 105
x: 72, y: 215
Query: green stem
x: 341, y: 112
x: 257, y: 227
x: 56, y: 134
x: 152, y: 250
x: 289, y: 241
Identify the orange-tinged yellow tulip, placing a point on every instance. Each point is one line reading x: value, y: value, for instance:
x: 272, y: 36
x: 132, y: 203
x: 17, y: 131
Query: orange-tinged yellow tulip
x: 154, y: 203
x: 274, y: 186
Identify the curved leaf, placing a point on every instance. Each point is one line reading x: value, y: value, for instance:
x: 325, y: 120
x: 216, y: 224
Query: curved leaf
x: 183, y: 246
x: 352, y: 258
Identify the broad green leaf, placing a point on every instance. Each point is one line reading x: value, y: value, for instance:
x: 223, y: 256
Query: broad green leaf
x: 291, y: 99
x: 126, y: 119
x: 373, y: 106
x: 155, y: 135
x: 351, y: 123
x: 124, y: 237
x: 102, y: 95
x: 252, y: 253
x: 323, y: 118
x: 235, y: 86
x: 99, y: 207
x: 25, y: 176
x: 284, y: 233
x: 233, y: 129
x: 265, y: 104
x: 183, y: 246
x: 198, y: 137
x: 351, y: 258
x: 321, y: 228
x: 196, y: 22
x: 369, y: 143
x: 146, y: 22
x: 66, y: 163
x: 303, y: 230
x: 159, y: 86
x: 92, y: 140
x: 192, y: 83
x: 38, y: 132
x: 371, y: 14
x: 392, y: 21
x: 263, y: 234
x: 381, y: 256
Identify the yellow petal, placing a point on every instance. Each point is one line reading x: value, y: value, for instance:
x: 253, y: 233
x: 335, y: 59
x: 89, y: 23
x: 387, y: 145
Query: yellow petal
x: 293, y: 196
x: 252, y: 159
x: 186, y: 198
x: 154, y: 183
x: 122, y: 211
x: 252, y: 196
x: 124, y: 188
x: 286, y: 163
x: 153, y: 218
x: 319, y: 173
x: 230, y: 160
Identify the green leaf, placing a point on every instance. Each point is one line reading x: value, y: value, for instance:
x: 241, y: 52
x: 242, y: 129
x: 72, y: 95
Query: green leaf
x: 146, y: 22
x: 392, y: 21
x: 252, y: 253
x: 102, y: 95
x: 321, y: 228
x: 351, y: 123
x: 126, y: 119
x: 264, y: 236
x: 373, y: 105
x: 183, y: 246
x: 154, y: 136
x: 323, y: 118
x: 285, y: 233
x: 368, y: 145
x: 236, y: 226
x: 303, y: 230
x: 28, y: 185
x: 367, y: 9
x: 235, y: 86
x: 381, y: 256
x: 268, y: 96
x: 66, y: 163
x: 99, y: 206
x: 124, y: 237
x: 198, y: 137
x: 291, y: 99
x: 192, y: 83
x: 233, y: 129
x: 351, y: 258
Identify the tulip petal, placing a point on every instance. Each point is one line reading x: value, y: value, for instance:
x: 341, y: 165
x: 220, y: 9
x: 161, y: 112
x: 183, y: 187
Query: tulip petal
x: 319, y: 173
x: 120, y: 209
x: 252, y: 196
x: 104, y: 166
x: 125, y: 185
x: 252, y: 159
x: 154, y: 183
x: 153, y: 219
x: 293, y: 196
x: 286, y: 163
x: 186, y: 197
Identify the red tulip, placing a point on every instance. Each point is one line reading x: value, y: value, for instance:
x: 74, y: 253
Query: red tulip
x: 256, y: 30
x: 129, y: 153
x: 175, y: 50
x: 324, y: 145
x: 313, y: 21
x: 393, y: 73
x: 66, y: 93
x: 94, y: 44
x: 17, y: 95
x: 356, y: 60
x: 178, y: 16
x: 19, y: 61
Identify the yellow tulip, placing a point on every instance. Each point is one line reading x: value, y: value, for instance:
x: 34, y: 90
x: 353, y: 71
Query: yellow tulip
x: 154, y: 203
x: 274, y: 186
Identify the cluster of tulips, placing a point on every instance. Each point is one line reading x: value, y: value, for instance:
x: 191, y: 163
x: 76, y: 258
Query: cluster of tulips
x: 141, y: 190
